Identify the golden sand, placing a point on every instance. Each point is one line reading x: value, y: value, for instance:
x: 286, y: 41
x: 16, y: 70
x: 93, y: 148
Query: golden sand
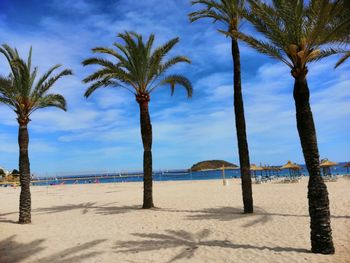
x: 197, y: 221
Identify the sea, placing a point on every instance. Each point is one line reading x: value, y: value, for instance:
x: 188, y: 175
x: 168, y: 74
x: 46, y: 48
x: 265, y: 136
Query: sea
x: 170, y: 175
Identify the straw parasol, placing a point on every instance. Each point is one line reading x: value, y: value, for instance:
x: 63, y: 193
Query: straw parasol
x: 255, y: 168
x: 267, y: 169
x: 347, y: 165
x: 291, y: 166
x: 275, y: 169
x: 326, y: 165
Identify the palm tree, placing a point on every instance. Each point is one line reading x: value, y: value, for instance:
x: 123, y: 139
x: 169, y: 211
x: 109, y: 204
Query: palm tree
x: 298, y: 33
x: 228, y: 12
x: 141, y: 70
x: 24, y: 95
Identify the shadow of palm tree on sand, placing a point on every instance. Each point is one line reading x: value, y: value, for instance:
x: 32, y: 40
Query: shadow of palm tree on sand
x: 190, y: 242
x: 12, y: 251
x: 260, y: 216
x: 104, y: 209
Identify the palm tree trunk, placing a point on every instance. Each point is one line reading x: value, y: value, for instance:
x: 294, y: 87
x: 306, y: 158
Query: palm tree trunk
x: 321, y: 232
x: 241, y: 131
x: 146, y: 132
x: 24, y: 171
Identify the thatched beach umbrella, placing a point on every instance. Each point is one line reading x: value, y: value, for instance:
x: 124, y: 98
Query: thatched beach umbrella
x: 326, y: 165
x: 275, y: 169
x: 291, y: 166
x: 255, y: 168
x: 347, y: 165
x: 266, y: 169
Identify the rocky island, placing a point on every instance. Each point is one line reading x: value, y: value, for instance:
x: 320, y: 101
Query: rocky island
x: 212, y: 165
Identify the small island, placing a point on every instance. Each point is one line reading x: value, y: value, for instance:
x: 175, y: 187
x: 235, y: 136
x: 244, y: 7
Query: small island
x: 212, y: 165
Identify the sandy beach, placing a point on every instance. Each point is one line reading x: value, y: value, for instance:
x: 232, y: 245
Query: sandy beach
x: 195, y: 221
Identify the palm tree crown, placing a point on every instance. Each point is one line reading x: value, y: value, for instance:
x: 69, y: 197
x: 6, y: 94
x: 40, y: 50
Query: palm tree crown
x: 137, y: 68
x: 227, y: 12
x: 19, y: 90
x: 297, y: 33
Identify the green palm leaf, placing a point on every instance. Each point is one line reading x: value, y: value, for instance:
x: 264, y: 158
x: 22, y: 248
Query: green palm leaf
x: 343, y: 59
x: 172, y: 80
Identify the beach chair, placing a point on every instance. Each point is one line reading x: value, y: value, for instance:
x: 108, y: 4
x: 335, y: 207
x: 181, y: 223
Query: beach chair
x: 326, y: 179
x: 287, y: 180
x: 295, y: 180
x: 258, y: 180
x: 332, y: 178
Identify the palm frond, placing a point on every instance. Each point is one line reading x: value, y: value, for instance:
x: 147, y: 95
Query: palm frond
x: 48, y: 84
x: 7, y: 92
x: 174, y: 80
x: 171, y: 62
x: 99, y: 84
x: 157, y: 56
x: 324, y: 53
x: 194, y: 16
x: 46, y: 76
x: 160, y: 52
x: 264, y: 47
x: 51, y: 100
x: 343, y: 59
x: 99, y: 61
x: 228, y: 12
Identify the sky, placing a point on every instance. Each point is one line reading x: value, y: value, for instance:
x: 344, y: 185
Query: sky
x: 102, y: 133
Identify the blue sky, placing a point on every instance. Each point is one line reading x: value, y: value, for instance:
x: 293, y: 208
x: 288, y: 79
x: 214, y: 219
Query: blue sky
x: 103, y: 134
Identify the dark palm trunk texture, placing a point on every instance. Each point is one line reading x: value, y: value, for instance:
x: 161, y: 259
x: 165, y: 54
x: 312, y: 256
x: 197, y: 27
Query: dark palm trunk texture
x: 241, y: 132
x: 24, y: 171
x: 321, y: 232
x: 146, y: 133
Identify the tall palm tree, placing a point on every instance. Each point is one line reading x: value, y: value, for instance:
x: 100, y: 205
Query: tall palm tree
x: 23, y: 94
x: 141, y: 70
x: 297, y: 33
x: 228, y: 12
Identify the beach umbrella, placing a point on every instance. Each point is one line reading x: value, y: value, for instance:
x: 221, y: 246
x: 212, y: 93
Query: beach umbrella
x: 255, y: 168
x: 347, y: 165
x: 326, y: 165
x: 266, y: 169
x: 291, y: 166
x: 275, y: 169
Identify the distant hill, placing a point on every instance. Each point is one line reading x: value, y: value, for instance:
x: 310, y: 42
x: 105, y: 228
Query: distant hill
x: 210, y: 165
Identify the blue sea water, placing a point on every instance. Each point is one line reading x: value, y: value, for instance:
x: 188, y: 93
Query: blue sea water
x: 174, y: 175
